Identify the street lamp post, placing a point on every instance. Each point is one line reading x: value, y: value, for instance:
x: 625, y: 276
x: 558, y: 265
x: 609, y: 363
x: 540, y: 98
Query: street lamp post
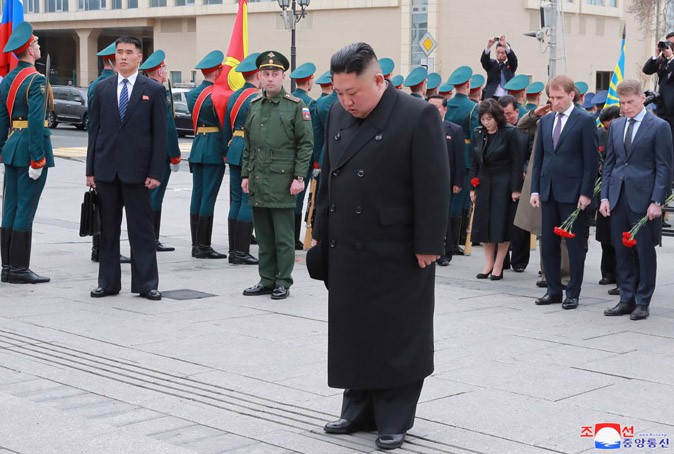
x: 291, y: 18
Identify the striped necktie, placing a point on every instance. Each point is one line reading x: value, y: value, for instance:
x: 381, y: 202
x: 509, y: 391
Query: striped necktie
x: 123, y: 99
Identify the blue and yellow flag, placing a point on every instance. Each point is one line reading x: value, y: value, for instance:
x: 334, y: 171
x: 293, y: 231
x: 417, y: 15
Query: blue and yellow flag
x: 612, y: 97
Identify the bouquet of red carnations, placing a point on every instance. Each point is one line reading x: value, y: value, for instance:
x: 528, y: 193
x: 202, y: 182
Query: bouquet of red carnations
x: 628, y: 237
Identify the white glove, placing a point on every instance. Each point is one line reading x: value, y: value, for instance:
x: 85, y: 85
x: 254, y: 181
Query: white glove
x: 34, y: 173
x: 2, y: 168
x: 174, y: 167
x: 316, y: 173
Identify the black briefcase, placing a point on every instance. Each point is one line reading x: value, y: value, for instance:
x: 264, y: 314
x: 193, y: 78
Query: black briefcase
x: 90, y: 217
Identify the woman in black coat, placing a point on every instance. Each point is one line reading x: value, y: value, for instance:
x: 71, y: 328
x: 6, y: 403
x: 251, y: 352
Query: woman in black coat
x: 497, y: 164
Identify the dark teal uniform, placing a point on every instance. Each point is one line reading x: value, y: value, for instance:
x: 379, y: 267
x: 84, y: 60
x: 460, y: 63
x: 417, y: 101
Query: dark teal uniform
x: 308, y: 100
x: 530, y: 106
x: 522, y: 110
x: 173, y: 157
x: 23, y: 145
x: 463, y: 112
x: 104, y: 75
x: 417, y: 95
x: 319, y: 121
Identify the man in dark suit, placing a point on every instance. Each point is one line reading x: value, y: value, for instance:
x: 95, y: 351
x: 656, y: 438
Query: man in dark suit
x: 457, y: 168
x: 635, y: 182
x: 499, y: 70
x: 125, y: 159
x: 381, y: 218
x: 563, y: 178
x: 662, y: 64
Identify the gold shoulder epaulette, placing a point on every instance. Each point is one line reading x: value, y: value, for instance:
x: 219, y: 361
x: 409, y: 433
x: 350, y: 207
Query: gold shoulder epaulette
x: 291, y: 97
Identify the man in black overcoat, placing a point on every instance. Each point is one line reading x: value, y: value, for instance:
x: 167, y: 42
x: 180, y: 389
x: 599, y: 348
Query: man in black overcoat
x: 381, y: 220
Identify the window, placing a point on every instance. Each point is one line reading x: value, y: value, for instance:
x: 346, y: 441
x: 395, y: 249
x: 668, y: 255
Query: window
x: 90, y: 5
x: 157, y: 3
x: 603, y: 80
x: 176, y: 77
x: 418, y: 29
x: 184, y: 2
x: 595, y: 2
x: 612, y: 3
x: 212, y: 2
x: 133, y: 4
x: 53, y: 6
x: 116, y: 4
x: 33, y: 6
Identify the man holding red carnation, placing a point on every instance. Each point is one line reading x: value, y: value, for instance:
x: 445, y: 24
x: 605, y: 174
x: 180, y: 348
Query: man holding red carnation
x: 635, y: 184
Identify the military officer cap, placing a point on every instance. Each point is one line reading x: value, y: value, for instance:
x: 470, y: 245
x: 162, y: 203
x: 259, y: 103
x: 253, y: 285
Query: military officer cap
x: 582, y: 87
x: 325, y: 78
x: 588, y: 103
x: 535, y: 88
x: 154, y: 61
x: 109, y: 52
x: 303, y: 71
x: 211, y: 62
x: 517, y: 83
x: 270, y: 59
x: 397, y: 81
x: 247, y: 65
x: 600, y: 98
x: 445, y: 88
x: 416, y: 77
x: 387, y: 66
x: 22, y: 37
x: 476, y: 82
x: 460, y: 76
x: 433, y: 81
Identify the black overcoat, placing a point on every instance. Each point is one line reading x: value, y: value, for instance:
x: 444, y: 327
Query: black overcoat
x: 383, y: 198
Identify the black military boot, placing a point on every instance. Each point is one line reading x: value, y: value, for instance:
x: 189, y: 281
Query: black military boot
x: 298, y: 228
x: 5, y: 238
x: 456, y: 229
x: 231, y: 237
x: 19, y: 260
x: 95, y: 246
x: 194, y: 223
x: 157, y: 225
x: 242, y: 245
x: 204, y: 234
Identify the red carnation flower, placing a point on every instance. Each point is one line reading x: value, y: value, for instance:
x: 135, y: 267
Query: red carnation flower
x: 475, y: 182
x: 601, y: 150
x: 570, y: 235
x: 629, y: 243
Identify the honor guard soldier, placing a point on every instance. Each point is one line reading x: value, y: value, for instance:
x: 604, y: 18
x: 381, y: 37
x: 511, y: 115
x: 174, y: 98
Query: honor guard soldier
x: 387, y: 66
x: 476, y: 84
x: 26, y: 154
x: 462, y: 111
x: 599, y: 100
x: 319, y: 121
x: 589, y: 104
x: 516, y: 88
x: 303, y: 76
x: 397, y: 82
x: 533, y: 93
x: 325, y: 82
x: 432, y: 83
x: 582, y: 89
x: 416, y: 82
x: 155, y: 68
x: 108, y: 57
x: 207, y: 158
x: 240, y: 218
x: 278, y: 145
x: 446, y: 90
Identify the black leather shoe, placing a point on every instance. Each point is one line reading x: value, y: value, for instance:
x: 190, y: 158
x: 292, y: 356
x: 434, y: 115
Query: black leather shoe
x: 258, y: 289
x: 161, y: 248
x: 606, y: 281
x: 94, y: 254
x: 299, y: 246
x: 519, y: 269
x: 344, y: 427
x: 390, y: 441
x: 5, y: 274
x: 620, y: 309
x: 542, y: 283
x: 570, y: 303
x: 152, y: 295
x: 124, y: 259
x: 457, y: 251
x: 548, y: 299
x: 280, y: 293
x: 242, y: 258
x: 443, y: 261
x: 99, y: 292
x: 639, y: 313
x: 25, y: 276
x: 208, y: 253
x: 614, y: 291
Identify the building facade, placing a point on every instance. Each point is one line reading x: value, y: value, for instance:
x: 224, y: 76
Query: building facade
x: 72, y: 31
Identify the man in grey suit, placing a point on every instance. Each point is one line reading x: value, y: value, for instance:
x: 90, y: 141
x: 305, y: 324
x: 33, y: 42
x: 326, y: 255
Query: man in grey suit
x: 635, y: 183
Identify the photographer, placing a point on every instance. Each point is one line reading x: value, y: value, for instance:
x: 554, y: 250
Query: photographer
x: 501, y: 70
x: 662, y: 63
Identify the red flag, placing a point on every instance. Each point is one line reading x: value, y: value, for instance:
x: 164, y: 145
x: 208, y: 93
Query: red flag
x: 229, y: 81
x: 12, y: 15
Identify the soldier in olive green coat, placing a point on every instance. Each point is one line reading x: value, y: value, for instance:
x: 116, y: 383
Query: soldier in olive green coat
x: 278, y: 144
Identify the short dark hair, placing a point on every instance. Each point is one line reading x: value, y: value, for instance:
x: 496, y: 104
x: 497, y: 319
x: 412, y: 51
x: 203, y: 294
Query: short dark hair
x: 669, y: 35
x: 491, y: 107
x: 129, y: 40
x: 609, y: 113
x: 507, y: 100
x: 444, y: 101
x: 354, y: 58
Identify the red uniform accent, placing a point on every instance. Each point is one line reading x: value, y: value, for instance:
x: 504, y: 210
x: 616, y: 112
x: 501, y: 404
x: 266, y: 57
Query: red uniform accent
x: 197, y: 106
x: 38, y: 164
x: 247, y: 93
x: 16, y: 83
x: 176, y: 160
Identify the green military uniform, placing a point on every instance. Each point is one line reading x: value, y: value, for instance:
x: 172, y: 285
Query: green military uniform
x: 240, y: 218
x: 278, y: 145
x: 207, y: 162
x: 26, y: 153
x: 173, y: 157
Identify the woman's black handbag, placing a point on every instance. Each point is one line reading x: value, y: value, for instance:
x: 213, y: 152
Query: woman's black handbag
x: 90, y: 216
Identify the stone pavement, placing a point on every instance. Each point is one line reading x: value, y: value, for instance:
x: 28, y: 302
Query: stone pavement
x: 235, y: 374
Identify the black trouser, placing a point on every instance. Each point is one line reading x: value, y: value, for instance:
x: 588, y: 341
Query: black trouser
x: 135, y: 199
x: 520, y: 247
x: 608, y: 261
x: 390, y: 410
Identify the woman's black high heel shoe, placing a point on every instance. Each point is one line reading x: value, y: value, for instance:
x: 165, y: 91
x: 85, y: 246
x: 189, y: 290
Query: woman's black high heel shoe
x: 493, y: 277
x: 484, y: 275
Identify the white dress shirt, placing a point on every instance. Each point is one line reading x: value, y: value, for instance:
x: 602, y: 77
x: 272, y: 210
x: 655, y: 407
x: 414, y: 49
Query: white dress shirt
x: 132, y: 81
